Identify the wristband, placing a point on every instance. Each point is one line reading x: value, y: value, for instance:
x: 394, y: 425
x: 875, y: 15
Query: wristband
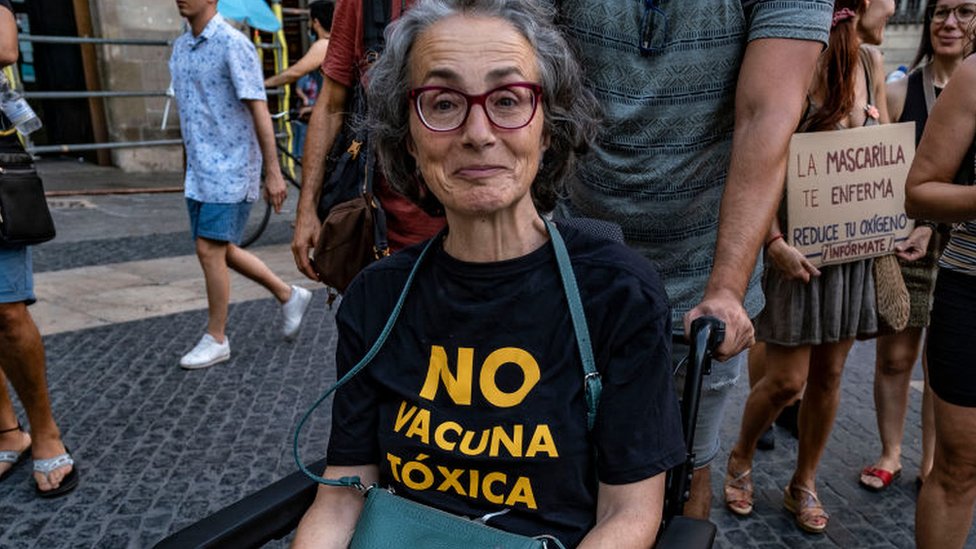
x: 774, y: 238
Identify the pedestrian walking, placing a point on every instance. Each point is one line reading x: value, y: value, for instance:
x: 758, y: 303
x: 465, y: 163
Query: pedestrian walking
x: 227, y: 133
x: 22, y: 359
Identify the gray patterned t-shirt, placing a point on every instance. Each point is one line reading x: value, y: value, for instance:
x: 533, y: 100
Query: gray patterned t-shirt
x: 659, y: 166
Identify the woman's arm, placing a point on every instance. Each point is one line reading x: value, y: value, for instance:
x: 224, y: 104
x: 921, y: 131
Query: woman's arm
x: 951, y: 127
x: 8, y: 38
x: 627, y: 515
x: 312, y: 60
x: 878, y: 81
x: 896, y: 92
x: 331, y: 520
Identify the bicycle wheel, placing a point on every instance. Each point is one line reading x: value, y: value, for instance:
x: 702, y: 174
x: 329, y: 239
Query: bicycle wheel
x: 256, y: 222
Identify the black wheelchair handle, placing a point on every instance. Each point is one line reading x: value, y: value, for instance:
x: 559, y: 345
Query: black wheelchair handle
x: 707, y: 333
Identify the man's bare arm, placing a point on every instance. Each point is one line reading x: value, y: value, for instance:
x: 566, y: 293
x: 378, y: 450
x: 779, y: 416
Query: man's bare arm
x: 309, y: 62
x: 326, y: 121
x: 767, y: 111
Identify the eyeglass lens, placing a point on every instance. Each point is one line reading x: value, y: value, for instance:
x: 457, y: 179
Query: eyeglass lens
x: 508, y: 107
x: 964, y: 12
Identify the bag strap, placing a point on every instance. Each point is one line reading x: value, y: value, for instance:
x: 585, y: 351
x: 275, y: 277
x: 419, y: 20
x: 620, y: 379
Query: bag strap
x: 376, y: 15
x: 591, y: 378
x: 592, y: 382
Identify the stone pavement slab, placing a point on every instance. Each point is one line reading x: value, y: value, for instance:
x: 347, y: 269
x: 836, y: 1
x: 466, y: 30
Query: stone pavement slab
x: 159, y: 447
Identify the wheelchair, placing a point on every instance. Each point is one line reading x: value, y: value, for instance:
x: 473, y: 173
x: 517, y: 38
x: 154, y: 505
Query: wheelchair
x: 274, y: 512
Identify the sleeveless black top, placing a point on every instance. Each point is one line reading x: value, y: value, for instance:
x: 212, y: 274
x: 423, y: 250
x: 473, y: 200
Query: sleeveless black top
x: 915, y: 109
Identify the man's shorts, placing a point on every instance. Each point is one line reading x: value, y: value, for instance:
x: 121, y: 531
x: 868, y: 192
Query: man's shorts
x: 220, y: 222
x: 16, y: 275
x: 716, y: 388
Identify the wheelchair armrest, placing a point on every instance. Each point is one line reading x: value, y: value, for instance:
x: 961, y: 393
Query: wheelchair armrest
x: 268, y: 514
x: 687, y: 533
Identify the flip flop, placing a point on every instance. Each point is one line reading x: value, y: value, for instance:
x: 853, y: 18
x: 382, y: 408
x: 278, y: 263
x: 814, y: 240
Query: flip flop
x: 886, y: 477
x: 46, y: 466
x: 12, y: 456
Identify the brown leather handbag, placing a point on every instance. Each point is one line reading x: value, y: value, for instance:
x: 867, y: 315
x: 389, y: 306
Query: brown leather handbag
x: 346, y: 243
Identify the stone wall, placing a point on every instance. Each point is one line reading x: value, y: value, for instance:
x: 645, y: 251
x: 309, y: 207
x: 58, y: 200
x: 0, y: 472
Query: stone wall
x: 125, y: 68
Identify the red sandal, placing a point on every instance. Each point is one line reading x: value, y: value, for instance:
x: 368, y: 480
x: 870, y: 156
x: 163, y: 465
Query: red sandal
x: 886, y: 477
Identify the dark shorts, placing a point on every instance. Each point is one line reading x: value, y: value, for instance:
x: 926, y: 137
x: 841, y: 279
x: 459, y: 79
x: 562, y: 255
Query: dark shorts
x: 220, y: 222
x: 16, y: 275
x: 951, y: 352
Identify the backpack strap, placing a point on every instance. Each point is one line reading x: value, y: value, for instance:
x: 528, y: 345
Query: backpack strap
x: 376, y: 15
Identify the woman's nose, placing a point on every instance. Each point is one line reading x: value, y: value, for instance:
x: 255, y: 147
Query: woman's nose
x: 478, y: 130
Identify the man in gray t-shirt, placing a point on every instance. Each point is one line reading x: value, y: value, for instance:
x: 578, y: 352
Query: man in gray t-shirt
x: 700, y: 101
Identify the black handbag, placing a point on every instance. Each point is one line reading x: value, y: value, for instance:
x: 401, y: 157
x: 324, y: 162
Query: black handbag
x: 24, y: 215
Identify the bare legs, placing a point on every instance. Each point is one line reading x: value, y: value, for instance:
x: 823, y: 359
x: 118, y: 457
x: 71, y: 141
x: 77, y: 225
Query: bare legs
x: 945, y: 504
x: 22, y: 362
x: 215, y: 259
x: 896, y: 354
x: 788, y: 369
x: 699, y: 503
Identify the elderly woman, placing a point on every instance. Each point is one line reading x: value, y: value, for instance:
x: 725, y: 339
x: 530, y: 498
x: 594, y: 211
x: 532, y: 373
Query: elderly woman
x: 477, y: 114
x: 946, y: 501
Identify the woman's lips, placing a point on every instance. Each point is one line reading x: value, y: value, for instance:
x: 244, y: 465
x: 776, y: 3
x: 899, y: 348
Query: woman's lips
x: 478, y: 171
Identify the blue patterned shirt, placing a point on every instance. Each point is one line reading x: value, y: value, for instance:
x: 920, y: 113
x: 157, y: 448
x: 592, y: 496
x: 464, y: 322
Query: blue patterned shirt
x: 213, y: 74
x: 659, y: 166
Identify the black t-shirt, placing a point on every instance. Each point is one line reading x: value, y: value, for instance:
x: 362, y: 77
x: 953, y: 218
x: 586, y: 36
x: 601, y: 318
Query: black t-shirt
x: 475, y: 404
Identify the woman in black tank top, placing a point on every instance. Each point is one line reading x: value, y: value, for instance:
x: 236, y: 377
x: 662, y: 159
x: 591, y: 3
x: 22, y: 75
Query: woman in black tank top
x: 909, y: 100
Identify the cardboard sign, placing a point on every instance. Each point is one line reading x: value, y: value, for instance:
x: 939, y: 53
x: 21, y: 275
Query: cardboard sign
x: 845, y: 192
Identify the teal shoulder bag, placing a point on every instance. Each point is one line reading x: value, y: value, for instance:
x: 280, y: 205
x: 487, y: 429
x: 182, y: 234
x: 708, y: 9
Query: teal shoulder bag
x: 389, y: 521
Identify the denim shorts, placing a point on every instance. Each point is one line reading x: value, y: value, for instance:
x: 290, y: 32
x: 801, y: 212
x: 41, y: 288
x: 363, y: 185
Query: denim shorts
x: 220, y: 222
x: 16, y: 275
x: 716, y: 388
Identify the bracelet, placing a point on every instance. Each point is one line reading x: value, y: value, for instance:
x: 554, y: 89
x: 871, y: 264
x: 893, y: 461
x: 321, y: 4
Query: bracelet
x: 775, y: 237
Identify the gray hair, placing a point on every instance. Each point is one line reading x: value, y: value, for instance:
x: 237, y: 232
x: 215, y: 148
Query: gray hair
x: 571, y: 112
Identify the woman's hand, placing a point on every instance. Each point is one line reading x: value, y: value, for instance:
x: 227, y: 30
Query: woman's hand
x: 916, y: 244
x: 790, y: 261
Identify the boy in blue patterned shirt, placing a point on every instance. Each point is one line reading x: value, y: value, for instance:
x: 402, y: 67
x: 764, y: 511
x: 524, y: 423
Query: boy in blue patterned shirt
x: 227, y: 133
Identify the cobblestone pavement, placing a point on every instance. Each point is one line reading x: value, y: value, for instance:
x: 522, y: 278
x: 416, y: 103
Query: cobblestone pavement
x: 159, y: 448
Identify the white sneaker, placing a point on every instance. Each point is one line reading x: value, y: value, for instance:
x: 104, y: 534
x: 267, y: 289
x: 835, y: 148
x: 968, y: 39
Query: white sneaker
x: 207, y: 353
x: 293, y: 312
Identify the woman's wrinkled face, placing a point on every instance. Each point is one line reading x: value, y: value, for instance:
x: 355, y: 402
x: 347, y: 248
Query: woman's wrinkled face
x: 949, y: 36
x: 875, y: 18
x: 477, y: 169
